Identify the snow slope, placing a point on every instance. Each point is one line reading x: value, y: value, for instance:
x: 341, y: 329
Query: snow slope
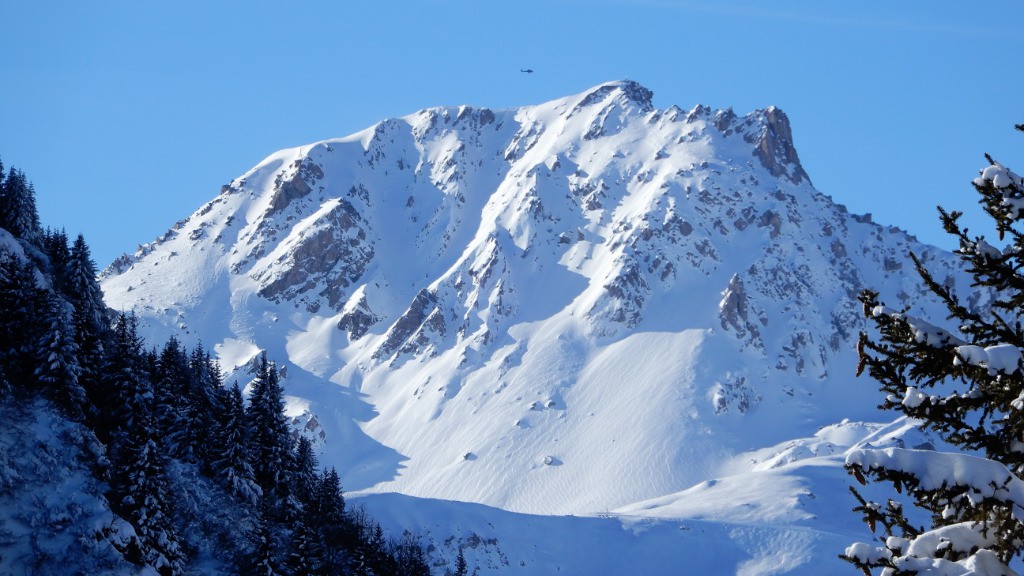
x: 588, y: 307
x: 54, y: 518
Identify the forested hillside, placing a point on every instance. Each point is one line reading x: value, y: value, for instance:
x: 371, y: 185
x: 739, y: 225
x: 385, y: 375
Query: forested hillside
x: 122, y: 456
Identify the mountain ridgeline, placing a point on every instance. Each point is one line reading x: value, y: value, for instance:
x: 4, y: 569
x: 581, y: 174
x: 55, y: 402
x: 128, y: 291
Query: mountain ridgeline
x: 591, y: 306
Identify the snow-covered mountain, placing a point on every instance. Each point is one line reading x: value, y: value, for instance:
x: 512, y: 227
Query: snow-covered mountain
x: 589, y: 307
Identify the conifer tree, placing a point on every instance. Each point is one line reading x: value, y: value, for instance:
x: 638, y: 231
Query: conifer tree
x: 336, y: 532
x: 370, y: 552
x: 90, y: 316
x: 83, y: 290
x: 306, y: 542
x: 330, y: 503
x: 143, y: 490
x: 173, y: 412
x: 18, y: 214
x: 233, y: 465
x: 55, y: 245
x: 21, y: 300
x: 125, y: 388
x: 461, y: 567
x: 5, y: 384
x: 269, y: 437
x: 304, y: 475
x: 409, y: 556
x: 57, y: 367
x: 264, y: 560
x: 304, y: 553
x: 965, y: 384
x: 206, y: 399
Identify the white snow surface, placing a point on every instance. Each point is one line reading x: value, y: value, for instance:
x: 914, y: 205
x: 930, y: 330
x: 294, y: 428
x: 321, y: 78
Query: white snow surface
x: 54, y: 518
x: 502, y: 318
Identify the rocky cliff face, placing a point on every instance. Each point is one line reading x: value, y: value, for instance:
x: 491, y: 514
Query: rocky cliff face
x: 600, y: 300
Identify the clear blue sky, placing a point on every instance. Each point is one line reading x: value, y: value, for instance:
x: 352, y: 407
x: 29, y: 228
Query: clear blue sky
x: 128, y: 116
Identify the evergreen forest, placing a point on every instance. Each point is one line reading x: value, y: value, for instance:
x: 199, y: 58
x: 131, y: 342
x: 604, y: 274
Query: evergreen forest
x: 180, y: 472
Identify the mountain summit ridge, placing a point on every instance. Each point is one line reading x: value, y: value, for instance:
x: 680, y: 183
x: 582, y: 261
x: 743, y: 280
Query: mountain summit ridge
x: 565, y: 308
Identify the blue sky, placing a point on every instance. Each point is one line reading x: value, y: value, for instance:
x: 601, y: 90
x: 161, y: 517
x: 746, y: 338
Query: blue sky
x: 128, y: 116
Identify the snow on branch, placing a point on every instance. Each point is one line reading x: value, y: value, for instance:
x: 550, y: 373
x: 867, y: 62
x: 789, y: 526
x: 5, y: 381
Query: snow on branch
x: 967, y: 548
x: 1009, y: 184
x: 962, y: 538
x: 866, y: 553
x: 924, y: 332
x: 1000, y: 176
x: 924, y: 555
x: 983, y: 478
x: 998, y: 359
x: 982, y: 248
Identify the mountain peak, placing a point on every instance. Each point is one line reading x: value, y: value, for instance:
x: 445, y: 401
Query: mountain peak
x: 628, y: 89
x: 493, y: 306
x: 634, y: 91
x: 774, y: 146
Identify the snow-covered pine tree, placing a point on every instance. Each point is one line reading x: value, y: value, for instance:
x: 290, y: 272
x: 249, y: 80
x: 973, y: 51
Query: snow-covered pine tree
x: 303, y: 552
x: 336, y: 532
x: 125, y: 387
x: 966, y: 384
x: 83, y: 290
x: 265, y: 559
x: 55, y: 245
x: 173, y: 412
x: 206, y: 398
x: 57, y: 367
x: 270, y: 442
x: 461, y: 567
x: 409, y: 557
x: 18, y: 214
x: 305, y: 475
x: 233, y: 465
x: 89, y: 316
x: 305, y: 547
x: 143, y: 491
x: 21, y: 299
